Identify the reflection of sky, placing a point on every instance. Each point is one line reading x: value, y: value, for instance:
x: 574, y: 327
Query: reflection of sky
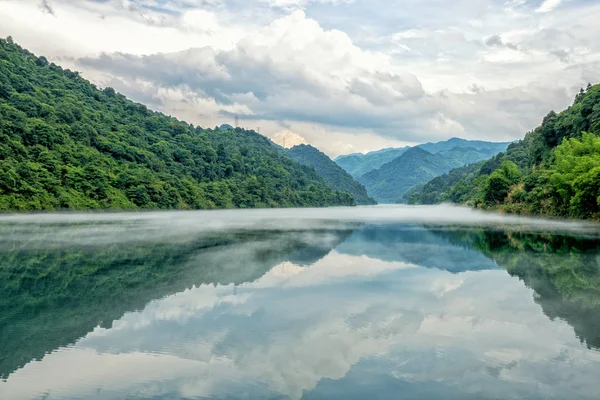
x: 345, y: 327
x: 413, y: 244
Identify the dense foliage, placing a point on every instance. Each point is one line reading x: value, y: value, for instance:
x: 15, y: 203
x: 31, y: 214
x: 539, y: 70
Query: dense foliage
x: 554, y: 170
x: 359, y: 164
x: 332, y: 173
x: 442, y: 188
x: 64, y: 144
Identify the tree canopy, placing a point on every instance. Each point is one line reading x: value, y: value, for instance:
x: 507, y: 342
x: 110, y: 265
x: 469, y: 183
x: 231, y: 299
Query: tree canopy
x: 65, y: 144
x: 332, y: 173
x: 553, y: 171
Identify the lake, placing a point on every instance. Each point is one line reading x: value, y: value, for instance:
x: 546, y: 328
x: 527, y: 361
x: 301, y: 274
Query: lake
x: 385, y: 302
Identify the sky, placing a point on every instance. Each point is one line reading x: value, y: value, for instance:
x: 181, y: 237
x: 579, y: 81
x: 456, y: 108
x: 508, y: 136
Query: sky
x: 343, y: 75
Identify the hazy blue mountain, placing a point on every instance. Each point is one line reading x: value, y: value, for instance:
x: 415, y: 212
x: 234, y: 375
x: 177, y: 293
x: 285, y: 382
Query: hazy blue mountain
x: 332, y: 173
x: 359, y: 164
x: 450, y: 144
x: 466, y: 151
x: 469, y: 155
x: 390, y: 182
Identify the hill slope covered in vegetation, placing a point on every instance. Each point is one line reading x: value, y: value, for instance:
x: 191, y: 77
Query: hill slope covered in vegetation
x: 465, y: 151
x: 390, y: 182
x: 359, y: 164
x: 64, y: 144
x: 332, y: 173
x: 553, y: 171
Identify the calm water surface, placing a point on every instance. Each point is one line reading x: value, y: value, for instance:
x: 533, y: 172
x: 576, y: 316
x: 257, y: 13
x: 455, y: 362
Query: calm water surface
x: 363, y: 303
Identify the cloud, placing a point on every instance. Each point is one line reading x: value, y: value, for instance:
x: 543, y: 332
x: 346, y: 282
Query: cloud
x: 294, y: 70
x: 292, y: 4
x: 496, y: 41
x: 339, y: 73
x: 46, y: 7
x: 548, y: 5
x: 288, y: 138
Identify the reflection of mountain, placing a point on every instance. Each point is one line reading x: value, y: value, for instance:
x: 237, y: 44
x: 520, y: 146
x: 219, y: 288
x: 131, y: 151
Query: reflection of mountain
x: 411, y: 244
x: 50, y: 298
x: 563, y: 271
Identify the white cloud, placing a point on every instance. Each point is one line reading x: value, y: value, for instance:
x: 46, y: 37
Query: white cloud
x: 548, y: 5
x: 338, y: 73
x: 288, y: 138
x: 293, y: 4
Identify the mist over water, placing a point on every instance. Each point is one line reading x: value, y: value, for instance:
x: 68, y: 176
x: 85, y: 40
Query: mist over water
x: 369, y: 302
x: 103, y: 228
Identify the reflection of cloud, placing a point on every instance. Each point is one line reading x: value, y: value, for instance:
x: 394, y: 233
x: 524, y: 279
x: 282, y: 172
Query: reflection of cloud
x: 335, y: 265
x: 100, y: 375
x: 297, y: 326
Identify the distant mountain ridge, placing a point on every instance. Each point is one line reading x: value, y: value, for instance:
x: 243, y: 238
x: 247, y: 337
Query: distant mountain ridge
x: 393, y: 174
x: 553, y: 171
x: 452, y: 143
x: 390, y: 182
x: 358, y: 164
x: 331, y: 173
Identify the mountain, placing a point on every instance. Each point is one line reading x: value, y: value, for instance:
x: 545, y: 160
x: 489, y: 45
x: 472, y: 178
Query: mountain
x: 492, y: 148
x: 64, y: 144
x: 390, y: 182
x: 437, y: 190
x: 469, y: 155
x: 359, y: 164
x: 332, y: 173
x: 553, y: 171
x: 465, y: 151
x: 449, y: 154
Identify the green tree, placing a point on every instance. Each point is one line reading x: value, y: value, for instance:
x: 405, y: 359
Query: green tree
x: 66, y: 144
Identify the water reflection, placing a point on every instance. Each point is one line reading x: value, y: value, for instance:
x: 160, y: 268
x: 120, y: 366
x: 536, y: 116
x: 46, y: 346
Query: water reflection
x: 563, y: 271
x: 414, y: 244
x: 352, y: 311
x: 52, y: 296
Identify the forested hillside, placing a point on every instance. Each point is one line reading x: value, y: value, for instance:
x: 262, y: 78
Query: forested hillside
x: 389, y: 183
x: 553, y: 171
x: 454, y: 149
x: 439, y: 189
x: 393, y: 175
x: 332, y: 173
x: 64, y: 144
x: 483, y: 147
x: 359, y: 164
